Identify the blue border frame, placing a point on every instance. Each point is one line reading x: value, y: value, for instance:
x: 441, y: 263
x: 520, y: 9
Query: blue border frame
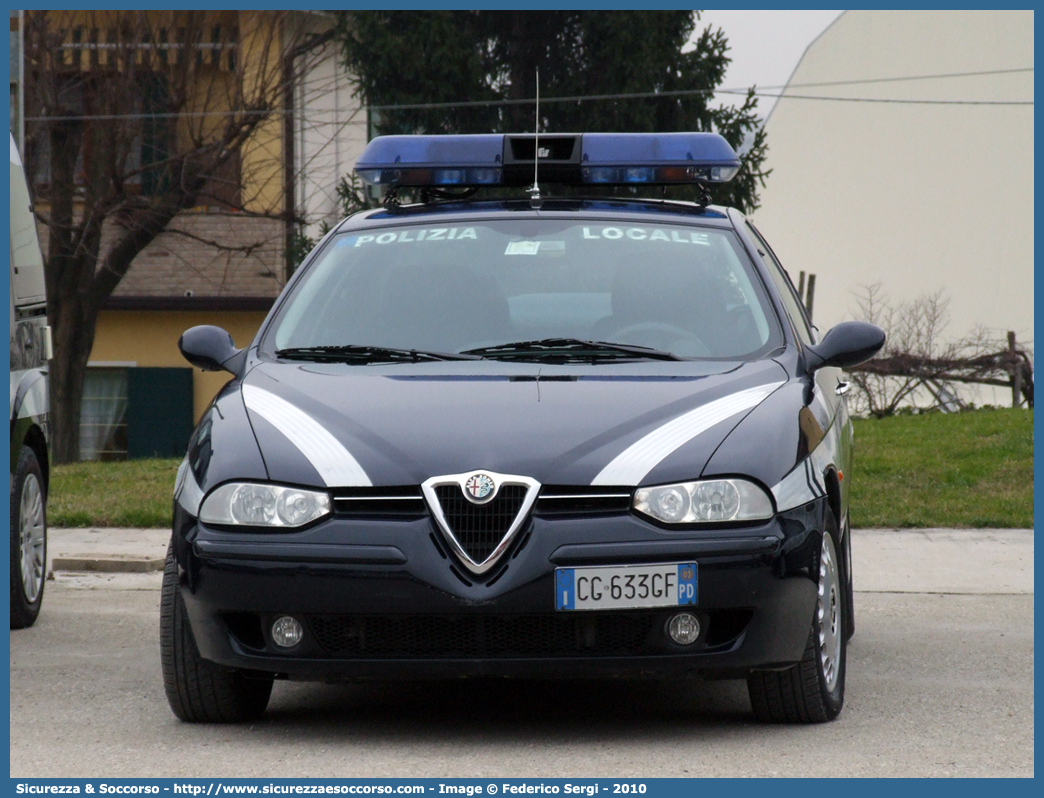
x: 656, y: 787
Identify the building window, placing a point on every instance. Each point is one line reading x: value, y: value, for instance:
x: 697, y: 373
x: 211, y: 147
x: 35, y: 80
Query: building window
x: 156, y: 131
x: 103, y: 415
x: 129, y: 413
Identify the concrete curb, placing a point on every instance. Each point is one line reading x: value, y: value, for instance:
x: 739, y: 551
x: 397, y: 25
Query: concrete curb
x: 965, y: 561
x: 106, y: 550
x: 123, y: 565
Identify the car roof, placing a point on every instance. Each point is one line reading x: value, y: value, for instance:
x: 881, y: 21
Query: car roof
x: 638, y: 210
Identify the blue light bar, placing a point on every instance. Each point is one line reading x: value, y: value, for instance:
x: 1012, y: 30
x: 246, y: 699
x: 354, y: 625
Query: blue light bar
x: 473, y: 160
x: 657, y: 158
x: 569, y: 159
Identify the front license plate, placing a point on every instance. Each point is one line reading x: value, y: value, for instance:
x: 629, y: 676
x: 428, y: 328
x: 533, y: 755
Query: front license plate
x: 620, y: 587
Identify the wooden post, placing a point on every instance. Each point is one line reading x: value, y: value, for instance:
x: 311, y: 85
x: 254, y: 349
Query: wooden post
x: 1016, y: 372
x: 810, y: 295
x: 801, y: 285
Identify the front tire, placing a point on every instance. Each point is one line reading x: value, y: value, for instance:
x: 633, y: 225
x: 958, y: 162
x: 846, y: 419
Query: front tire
x: 199, y: 691
x: 28, y: 540
x: 813, y: 690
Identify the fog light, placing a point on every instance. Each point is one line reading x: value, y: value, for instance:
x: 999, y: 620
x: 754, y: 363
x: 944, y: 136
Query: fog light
x: 684, y: 628
x: 286, y: 631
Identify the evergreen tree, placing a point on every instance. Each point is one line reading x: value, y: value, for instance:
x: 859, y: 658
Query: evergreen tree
x: 442, y: 58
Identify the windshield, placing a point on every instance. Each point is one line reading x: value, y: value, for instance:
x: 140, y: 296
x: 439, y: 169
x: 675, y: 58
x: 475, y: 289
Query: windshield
x: 538, y: 284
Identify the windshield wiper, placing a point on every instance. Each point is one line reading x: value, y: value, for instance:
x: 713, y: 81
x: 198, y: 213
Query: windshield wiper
x: 354, y: 353
x: 570, y: 349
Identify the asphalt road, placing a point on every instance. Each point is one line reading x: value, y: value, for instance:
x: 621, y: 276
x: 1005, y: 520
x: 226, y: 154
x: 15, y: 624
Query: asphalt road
x: 940, y: 683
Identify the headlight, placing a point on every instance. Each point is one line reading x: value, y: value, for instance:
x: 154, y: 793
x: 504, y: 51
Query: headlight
x: 704, y: 502
x: 248, y: 504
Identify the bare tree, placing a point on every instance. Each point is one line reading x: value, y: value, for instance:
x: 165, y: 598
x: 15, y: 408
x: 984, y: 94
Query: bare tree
x: 132, y: 117
x: 918, y: 367
x: 911, y: 328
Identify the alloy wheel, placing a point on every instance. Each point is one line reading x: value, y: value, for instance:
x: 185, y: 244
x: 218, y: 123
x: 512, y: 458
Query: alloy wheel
x: 32, y: 537
x: 828, y: 615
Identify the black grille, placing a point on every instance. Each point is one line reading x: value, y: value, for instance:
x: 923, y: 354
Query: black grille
x: 483, y: 636
x: 380, y: 503
x: 573, y: 500
x: 480, y: 527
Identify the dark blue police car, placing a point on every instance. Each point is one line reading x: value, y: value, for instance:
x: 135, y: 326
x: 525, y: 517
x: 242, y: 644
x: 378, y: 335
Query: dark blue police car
x: 528, y: 437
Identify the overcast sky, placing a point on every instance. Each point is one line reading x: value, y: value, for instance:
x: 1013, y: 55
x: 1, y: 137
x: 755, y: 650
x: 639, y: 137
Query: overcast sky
x: 765, y: 45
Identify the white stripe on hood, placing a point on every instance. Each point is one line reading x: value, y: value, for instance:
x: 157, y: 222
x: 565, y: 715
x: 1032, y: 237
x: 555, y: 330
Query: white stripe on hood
x: 633, y: 463
x: 327, y: 455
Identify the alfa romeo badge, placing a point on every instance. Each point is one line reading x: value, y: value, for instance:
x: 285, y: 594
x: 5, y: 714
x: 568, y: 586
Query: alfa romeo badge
x: 479, y: 488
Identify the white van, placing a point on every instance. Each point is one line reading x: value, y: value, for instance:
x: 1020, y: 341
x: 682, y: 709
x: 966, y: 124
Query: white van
x: 30, y: 406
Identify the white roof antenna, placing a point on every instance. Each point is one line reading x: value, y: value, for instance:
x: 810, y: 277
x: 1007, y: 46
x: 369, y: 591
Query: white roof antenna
x: 535, y: 200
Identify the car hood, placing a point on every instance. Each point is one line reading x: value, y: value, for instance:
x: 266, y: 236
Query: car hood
x: 339, y: 426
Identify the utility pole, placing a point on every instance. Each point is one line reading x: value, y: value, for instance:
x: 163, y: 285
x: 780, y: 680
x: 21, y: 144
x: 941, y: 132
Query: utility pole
x: 810, y: 293
x: 1016, y: 371
x: 806, y: 292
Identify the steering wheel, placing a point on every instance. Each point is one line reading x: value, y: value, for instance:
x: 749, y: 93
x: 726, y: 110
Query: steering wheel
x: 663, y: 336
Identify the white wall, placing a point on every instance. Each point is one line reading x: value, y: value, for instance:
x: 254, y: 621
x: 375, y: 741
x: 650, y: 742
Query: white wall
x: 918, y: 197
x: 330, y: 134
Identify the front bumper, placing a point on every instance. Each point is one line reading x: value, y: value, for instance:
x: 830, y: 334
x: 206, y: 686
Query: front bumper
x: 393, y: 603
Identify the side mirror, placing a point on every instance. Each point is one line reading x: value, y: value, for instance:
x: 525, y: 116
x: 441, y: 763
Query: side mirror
x: 211, y: 349
x: 848, y: 344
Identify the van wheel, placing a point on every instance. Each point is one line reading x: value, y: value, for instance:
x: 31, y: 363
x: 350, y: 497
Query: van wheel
x: 28, y: 540
x: 199, y: 691
x: 813, y: 690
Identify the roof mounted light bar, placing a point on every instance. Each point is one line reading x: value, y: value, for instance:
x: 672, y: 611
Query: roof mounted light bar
x: 565, y: 158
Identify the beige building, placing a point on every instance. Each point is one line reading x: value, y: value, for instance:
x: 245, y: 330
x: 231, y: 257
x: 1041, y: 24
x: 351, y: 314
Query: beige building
x: 912, y: 186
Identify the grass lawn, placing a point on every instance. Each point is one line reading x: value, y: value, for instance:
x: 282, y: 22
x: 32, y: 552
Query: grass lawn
x: 967, y: 469
x: 964, y: 470
x: 135, y: 493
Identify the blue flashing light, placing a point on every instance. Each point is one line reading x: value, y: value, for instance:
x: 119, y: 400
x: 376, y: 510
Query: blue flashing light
x: 432, y: 160
x: 600, y: 158
x: 658, y: 158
